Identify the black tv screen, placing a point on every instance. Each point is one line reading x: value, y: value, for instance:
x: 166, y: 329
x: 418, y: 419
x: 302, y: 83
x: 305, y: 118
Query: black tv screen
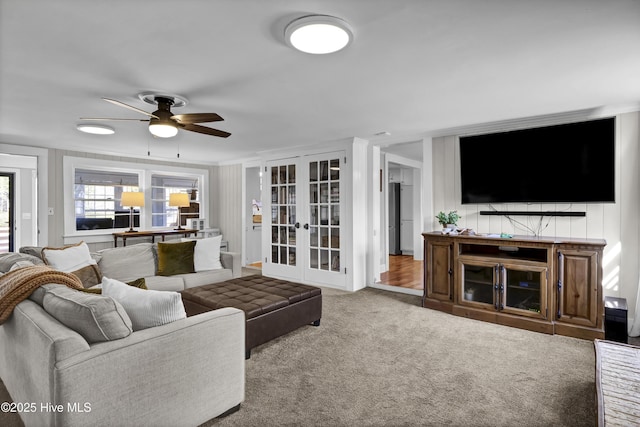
x: 568, y: 163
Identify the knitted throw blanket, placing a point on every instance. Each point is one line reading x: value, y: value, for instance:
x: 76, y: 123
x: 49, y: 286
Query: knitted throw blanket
x: 17, y: 285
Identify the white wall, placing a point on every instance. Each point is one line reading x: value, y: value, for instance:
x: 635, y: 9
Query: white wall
x: 618, y: 223
x: 55, y: 184
x: 227, y: 203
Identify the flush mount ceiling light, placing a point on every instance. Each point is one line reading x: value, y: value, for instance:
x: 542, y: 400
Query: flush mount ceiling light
x: 95, y: 129
x: 318, y: 34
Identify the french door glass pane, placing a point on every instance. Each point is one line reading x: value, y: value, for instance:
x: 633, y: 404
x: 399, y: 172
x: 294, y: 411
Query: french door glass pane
x: 283, y: 214
x: 324, y: 215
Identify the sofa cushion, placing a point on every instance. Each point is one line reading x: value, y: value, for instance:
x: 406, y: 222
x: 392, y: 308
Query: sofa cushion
x: 35, y: 251
x: 146, y: 308
x: 175, y: 258
x: 68, y: 258
x: 9, y: 259
x: 165, y: 283
x: 21, y: 264
x: 206, y: 255
x: 97, y: 318
x: 205, y: 277
x: 128, y: 263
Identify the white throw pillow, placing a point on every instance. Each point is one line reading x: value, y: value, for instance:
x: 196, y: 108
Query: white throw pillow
x: 206, y: 255
x: 146, y: 308
x: 68, y: 258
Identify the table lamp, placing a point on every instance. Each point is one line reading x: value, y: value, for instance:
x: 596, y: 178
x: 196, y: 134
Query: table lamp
x: 131, y: 199
x: 180, y: 200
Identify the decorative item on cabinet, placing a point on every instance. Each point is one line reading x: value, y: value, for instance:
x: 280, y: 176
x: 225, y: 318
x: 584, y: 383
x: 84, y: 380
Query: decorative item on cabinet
x: 449, y: 220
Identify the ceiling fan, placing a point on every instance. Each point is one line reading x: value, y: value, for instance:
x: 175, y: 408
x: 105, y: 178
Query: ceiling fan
x: 163, y: 123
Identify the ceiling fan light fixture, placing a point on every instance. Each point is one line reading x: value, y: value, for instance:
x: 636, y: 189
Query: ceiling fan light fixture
x: 318, y: 34
x: 95, y: 129
x: 163, y: 130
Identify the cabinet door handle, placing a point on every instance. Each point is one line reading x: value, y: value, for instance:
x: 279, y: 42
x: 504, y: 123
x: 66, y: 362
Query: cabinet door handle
x: 560, y: 277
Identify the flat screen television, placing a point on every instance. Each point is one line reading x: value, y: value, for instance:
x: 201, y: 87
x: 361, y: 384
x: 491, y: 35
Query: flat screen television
x: 568, y: 163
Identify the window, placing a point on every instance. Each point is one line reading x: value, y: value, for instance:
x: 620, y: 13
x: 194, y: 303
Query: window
x: 97, y: 198
x: 164, y: 215
x: 93, y: 189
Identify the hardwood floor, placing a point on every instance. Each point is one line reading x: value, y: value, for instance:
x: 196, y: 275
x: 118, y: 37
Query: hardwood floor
x: 404, y: 272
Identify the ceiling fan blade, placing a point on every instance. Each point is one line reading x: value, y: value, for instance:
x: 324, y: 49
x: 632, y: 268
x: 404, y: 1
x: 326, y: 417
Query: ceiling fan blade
x: 122, y: 104
x: 197, y: 118
x: 205, y: 130
x: 112, y: 119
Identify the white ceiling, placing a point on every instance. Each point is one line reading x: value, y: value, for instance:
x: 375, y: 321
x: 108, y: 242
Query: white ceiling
x: 416, y: 68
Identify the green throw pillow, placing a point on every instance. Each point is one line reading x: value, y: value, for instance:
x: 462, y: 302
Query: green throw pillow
x: 175, y: 258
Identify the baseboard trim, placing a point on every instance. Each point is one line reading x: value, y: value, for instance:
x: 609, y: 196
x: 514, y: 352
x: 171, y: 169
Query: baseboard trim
x: 398, y: 289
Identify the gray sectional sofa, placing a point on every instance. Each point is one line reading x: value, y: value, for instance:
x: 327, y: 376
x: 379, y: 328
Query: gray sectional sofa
x: 141, y: 261
x: 181, y: 373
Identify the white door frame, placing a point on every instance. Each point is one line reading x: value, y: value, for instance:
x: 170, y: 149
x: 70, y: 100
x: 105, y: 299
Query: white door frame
x: 245, y: 166
x: 417, y: 207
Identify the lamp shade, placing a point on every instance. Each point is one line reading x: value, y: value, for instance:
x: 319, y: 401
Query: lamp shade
x: 179, y: 199
x: 132, y: 198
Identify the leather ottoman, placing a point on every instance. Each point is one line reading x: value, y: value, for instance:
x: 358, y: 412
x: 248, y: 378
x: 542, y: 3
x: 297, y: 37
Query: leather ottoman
x: 272, y: 307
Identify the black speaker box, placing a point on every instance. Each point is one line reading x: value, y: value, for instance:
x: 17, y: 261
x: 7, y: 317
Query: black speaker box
x: 615, y: 319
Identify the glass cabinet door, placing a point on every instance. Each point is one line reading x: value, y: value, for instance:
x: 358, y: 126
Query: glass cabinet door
x: 324, y: 215
x: 283, y: 215
x: 524, y: 290
x: 478, y: 283
x: 501, y: 286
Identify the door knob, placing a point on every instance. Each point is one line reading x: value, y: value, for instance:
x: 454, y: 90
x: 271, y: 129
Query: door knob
x: 306, y: 226
x: 297, y: 225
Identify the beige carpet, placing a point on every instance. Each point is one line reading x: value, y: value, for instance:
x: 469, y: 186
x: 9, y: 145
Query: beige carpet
x: 379, y: 359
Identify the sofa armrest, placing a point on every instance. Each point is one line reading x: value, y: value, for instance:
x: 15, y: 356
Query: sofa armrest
x: 182, y: 373
x: 232, y: 261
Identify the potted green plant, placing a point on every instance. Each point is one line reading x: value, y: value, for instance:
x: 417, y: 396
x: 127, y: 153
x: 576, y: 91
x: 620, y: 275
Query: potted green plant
x: 453, y: 218
x: 449, y: 220
x: 443, y: 219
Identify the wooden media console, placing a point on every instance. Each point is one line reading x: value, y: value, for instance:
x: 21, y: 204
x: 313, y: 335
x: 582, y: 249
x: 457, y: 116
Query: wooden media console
x: 544, y: 284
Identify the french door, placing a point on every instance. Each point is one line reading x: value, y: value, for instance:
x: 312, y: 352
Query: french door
x: 304, y: 222
x: 7, y: 201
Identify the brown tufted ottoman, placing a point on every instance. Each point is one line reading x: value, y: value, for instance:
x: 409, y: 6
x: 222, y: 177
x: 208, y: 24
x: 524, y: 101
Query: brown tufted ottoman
x: 272, y: 307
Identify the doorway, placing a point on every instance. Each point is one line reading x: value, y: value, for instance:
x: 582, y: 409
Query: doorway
x: 7, y: 212
x: 401, y: 267
x: 253, y: 217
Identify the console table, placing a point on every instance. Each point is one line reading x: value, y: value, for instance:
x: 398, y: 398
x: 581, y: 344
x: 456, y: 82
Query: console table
x: 128, y: 234
x: 544, y: 284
